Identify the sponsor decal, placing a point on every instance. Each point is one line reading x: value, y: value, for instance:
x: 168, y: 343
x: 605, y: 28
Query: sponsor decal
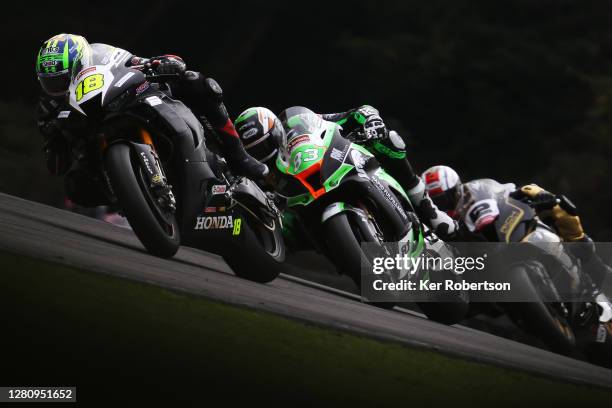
x: 146, y: 162
x: 359, y: 162
x: 142, y: 87
x: 50, y: 50
x: 221, y: 209
x: 124, y: 79
x: 153, y: 100
x: 84, y: 72
x: 337, y: 154
x: 49, y: 63
x: 389, y: 197
x: 481, y: 214
x: 602, y: 334
x: 237, y: 226
x: 293, y: 143
x: 510, y: 221
x: 156, y: 178
x: 210, y: 209
x: 249, y: 133
x: 216, y: 222
x: 63, y: 114
x: 120, y: 56
x: 219, y: 189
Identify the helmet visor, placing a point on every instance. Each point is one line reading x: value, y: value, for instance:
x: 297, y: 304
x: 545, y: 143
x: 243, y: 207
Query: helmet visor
x: 447, y: 200
x: 262, y: 149
x: 55, y: 84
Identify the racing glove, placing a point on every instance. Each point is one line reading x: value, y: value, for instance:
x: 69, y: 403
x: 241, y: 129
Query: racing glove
x: 559, y: 209
x: 169, y: 65
x: 56, y: 149
x: 373, y: 125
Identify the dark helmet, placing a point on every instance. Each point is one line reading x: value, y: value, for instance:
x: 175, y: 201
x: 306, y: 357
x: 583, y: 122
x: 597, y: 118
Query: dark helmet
x: 261, y: 133
x: 55, y: 61
x: 443, y: 186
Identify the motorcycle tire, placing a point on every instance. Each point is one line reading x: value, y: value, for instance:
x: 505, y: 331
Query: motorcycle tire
x: 259, y: 253
x: 538, y: 317
x: 159, y: 236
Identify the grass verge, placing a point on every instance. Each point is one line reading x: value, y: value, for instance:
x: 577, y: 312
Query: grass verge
x: 116, y: 340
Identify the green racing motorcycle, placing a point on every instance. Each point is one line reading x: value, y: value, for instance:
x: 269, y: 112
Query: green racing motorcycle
x: 340, y: 198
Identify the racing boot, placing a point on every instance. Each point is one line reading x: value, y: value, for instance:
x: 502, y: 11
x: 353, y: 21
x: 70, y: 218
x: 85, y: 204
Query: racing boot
x: 443, y: 225
x: 391, y: 152
x: 606, y: 309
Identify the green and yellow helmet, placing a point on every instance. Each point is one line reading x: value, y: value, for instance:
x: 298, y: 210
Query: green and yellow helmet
x: 55, y: 60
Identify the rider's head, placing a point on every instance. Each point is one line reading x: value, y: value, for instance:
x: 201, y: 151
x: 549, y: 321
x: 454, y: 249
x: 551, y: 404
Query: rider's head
x: 261, y: 133
x: 55, y: 60
x: 443, y: 186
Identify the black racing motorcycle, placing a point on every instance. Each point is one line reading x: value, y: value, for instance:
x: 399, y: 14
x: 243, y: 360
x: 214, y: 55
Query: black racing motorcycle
x: 150, y: 151
x: 541, y: 268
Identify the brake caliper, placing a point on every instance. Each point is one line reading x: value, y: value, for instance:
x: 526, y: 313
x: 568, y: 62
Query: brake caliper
x: 161, y: 189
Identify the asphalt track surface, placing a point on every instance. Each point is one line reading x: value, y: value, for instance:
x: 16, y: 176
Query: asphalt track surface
x: 45, y: 232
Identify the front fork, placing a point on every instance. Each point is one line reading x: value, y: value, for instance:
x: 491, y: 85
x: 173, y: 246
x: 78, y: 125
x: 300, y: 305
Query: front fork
x: 154, y: 172
x: 158, y: 183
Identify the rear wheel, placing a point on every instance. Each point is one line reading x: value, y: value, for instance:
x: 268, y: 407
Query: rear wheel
x: 598, y: 350
x: 261, y: 251
x: 157, y: 230
x: 543, y: 319
x: 443, y: 306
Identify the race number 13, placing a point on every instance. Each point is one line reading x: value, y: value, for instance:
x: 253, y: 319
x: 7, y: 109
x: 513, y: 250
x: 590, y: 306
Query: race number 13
x: 91, y: 83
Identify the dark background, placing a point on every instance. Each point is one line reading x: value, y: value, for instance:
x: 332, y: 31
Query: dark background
x: 516, y: 90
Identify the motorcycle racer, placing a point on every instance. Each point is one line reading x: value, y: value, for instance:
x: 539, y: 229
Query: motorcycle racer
x: 451, y: 195
x: 262, y: 134
x: 56, y: 61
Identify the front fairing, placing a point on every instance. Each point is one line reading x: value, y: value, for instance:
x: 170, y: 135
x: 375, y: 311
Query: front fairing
x: 317, y: 157
x: 100, y: 80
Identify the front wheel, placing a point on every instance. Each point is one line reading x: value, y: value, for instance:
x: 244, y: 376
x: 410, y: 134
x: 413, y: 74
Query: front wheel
x: 445, y: 312
x: 344, y: 243
x: 158, y: 231
x: 344, y: 234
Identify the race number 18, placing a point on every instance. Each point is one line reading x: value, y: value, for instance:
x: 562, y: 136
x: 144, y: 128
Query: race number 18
x: 91, y: 83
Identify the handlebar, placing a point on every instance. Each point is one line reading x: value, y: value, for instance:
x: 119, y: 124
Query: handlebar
x: 151, y: 76
x: 162, y: 77
x: 538, y: 205
x: 357, y: 135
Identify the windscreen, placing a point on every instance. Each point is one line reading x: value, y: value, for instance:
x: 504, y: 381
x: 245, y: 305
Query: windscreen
x: 97, y: 54
x: 298, y: 120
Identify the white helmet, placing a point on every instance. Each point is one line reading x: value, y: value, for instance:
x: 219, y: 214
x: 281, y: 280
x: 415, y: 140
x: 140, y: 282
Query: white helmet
x: 443, y: 186
x: 261, y: 133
